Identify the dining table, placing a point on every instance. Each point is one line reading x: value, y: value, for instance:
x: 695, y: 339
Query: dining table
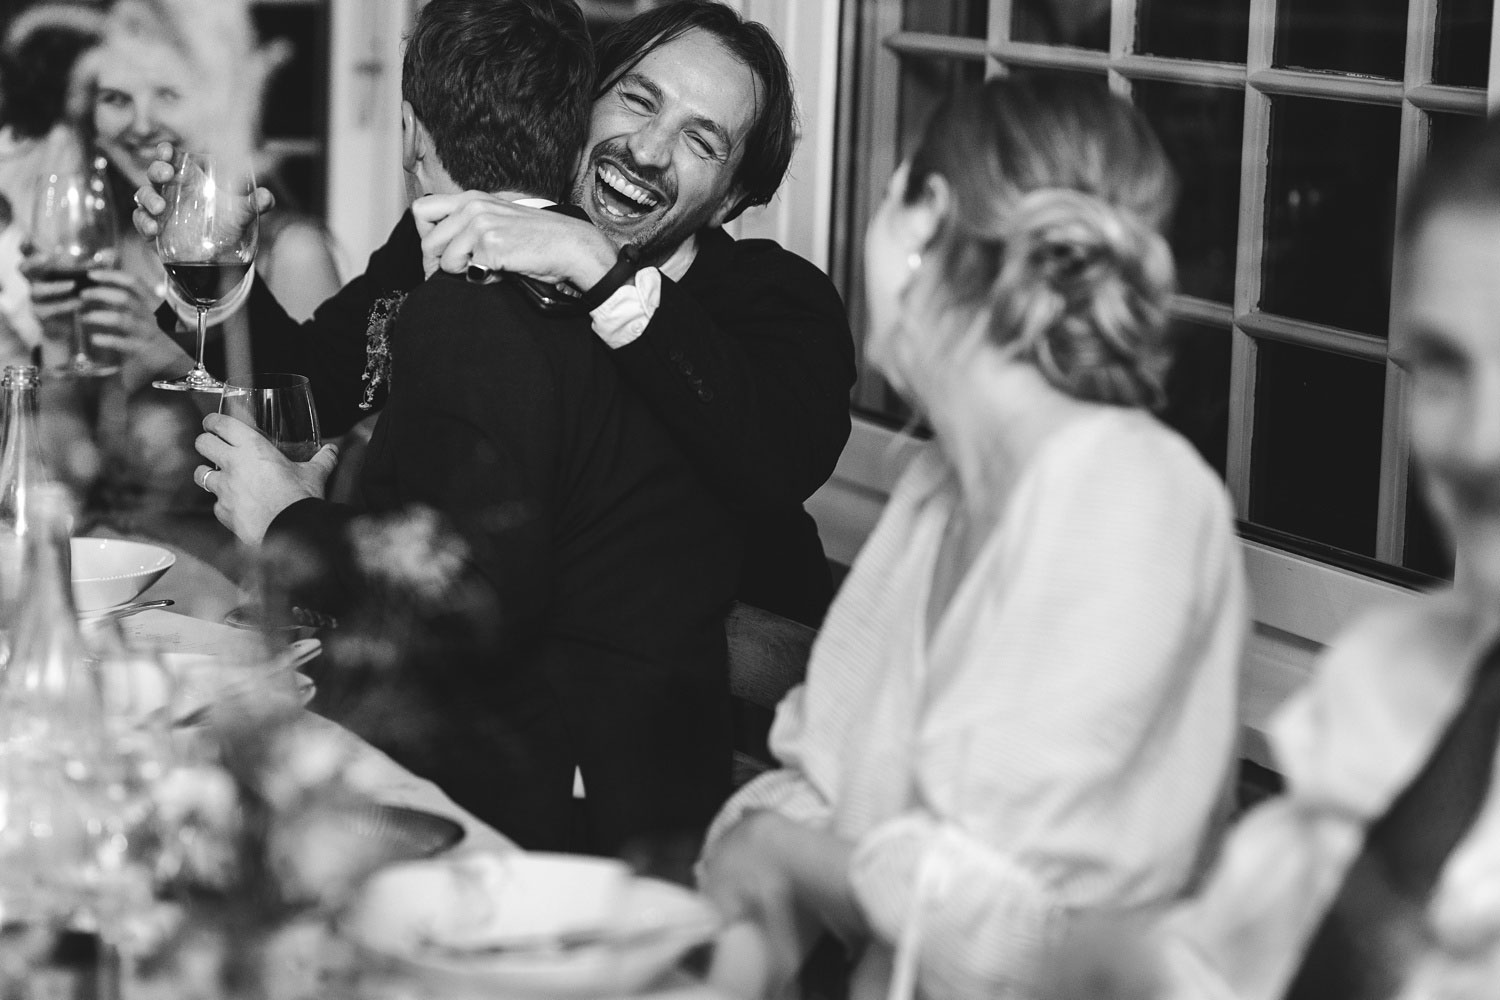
x: 202, y: 595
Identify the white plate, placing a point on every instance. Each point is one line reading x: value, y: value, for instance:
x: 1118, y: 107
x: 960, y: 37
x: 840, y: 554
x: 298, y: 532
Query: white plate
x: 655, y: 923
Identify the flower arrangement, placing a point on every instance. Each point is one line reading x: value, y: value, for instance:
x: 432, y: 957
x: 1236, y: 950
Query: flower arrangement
x: 266, y: 849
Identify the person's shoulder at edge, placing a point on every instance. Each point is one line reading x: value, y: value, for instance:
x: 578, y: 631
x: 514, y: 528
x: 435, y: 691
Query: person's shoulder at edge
x: 759, y: 263
x: 1386, y: 681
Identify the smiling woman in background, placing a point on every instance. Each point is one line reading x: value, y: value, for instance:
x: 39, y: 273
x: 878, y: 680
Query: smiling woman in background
x: 153, y: 80
x: 1022, y: 703
x: 188, y: 73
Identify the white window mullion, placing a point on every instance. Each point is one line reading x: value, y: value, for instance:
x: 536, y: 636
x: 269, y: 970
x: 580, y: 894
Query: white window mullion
x: 1395, y: 451
x: 1493, y: 89
x: 1255, y: 163
x: 1122, y: 32
x: 879, y: 126
x: 997, y: 37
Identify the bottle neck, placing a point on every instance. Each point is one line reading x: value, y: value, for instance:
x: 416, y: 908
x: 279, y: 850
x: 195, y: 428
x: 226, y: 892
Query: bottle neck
x: 21, y: 466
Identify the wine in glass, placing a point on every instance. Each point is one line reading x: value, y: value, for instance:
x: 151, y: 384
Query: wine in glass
x: 207, y: 243
x: 73, y: 231
x: 280, y: 406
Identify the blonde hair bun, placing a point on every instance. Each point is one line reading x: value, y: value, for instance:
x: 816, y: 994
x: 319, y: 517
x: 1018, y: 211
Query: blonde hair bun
x: 1050, y: 244
x: 1082, y: 292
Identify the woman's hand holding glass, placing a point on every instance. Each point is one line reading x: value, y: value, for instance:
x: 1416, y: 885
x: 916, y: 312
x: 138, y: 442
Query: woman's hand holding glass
x: 119, y: 311
x: 72, y: 235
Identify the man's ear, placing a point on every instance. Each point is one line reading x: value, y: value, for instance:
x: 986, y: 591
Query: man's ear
x: 413, y: 138
x: 726, y: 207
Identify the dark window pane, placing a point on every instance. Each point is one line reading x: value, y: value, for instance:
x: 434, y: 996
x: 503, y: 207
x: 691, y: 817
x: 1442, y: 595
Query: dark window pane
x: 1315, y: 455
x: 965, y: 18
x: 1330, y: 202
x: 1462, y: 58
x: 1448, y: 129
x: 1426, y: 551
x: 925, y: 81
x: 1201, y: 130
x: 294, y: 105
x: 1216, y: 30
x: 1366, y: 37
x: 1198, y: 389
x: 1081, y: 23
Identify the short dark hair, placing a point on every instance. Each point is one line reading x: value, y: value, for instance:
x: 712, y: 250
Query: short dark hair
x: 1464, y: 174
x: 504, y: 87
x: 35, y: 69
x: 773, y: 134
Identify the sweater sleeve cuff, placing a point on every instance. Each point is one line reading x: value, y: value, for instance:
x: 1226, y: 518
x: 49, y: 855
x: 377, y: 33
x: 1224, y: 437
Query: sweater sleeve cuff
x: 624, y: 316
x: 316, y: 533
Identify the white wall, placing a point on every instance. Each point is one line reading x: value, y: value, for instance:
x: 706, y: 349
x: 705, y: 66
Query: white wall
x: 365, y: 191
x: 800, y: 217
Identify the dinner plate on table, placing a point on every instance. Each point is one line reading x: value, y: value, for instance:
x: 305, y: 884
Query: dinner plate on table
x: 524, y: 926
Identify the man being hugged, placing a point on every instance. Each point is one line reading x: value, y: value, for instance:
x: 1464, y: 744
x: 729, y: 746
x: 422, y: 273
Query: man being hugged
x: 608, y: 567
x: 741, y: 349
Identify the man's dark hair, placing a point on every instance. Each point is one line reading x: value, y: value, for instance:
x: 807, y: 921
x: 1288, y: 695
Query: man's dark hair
x: 1464, y: 174
x: 34, y: 75
x: 504, y: 88
x: 773, y: 134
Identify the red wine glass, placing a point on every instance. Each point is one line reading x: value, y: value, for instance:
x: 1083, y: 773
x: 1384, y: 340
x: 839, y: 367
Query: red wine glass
x: 207, y: 244
x: 72, y: 232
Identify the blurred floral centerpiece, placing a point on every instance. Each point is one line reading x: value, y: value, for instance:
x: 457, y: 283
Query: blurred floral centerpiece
x: 270, y: 841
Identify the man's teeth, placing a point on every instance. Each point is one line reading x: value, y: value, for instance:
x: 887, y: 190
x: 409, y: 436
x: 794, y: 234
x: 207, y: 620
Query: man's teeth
x: 621, y: 186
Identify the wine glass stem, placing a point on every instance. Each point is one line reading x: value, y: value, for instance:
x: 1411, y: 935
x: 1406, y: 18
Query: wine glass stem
x: 80, y: 341
x: 202, y: 337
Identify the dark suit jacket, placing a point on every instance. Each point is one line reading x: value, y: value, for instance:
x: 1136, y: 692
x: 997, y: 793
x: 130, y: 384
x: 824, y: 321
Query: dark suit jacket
x: 610, y: 565
x: 748, y: 362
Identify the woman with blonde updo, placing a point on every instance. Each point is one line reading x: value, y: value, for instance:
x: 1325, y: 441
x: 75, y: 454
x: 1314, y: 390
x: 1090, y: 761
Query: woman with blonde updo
x: 1022, y: 705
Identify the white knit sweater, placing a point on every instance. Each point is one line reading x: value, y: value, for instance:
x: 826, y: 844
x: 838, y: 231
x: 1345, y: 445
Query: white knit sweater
x: 1061, y: 741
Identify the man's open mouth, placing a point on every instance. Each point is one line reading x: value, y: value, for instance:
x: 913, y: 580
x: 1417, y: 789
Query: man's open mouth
x: 619, y: 197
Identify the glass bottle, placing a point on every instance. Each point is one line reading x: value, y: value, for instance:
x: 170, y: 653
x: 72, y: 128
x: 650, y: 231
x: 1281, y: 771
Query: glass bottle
x: 21, y: 465
x: 21, y: 471
x: 51, y: 698
x: 51, y: 728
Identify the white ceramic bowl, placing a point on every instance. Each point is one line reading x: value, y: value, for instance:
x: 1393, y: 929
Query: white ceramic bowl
x: 111, y: 571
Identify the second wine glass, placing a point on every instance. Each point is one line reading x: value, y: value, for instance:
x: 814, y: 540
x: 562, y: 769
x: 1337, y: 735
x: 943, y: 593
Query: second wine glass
x: 280, y: 406
x: 73, y: 232
x: 207, y: 243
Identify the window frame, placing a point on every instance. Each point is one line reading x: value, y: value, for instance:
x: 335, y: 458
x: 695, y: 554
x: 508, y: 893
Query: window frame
x: 1299, y: 602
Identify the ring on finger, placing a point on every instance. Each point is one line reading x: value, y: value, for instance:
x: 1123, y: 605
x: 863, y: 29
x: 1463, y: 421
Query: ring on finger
x: 203, y: 483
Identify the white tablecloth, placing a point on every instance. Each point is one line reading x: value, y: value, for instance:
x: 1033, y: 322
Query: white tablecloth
x: 203, y: 592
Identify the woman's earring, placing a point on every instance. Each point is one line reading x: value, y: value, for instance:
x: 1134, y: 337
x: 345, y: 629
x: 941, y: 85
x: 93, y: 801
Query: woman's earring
x: 913, y: 261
